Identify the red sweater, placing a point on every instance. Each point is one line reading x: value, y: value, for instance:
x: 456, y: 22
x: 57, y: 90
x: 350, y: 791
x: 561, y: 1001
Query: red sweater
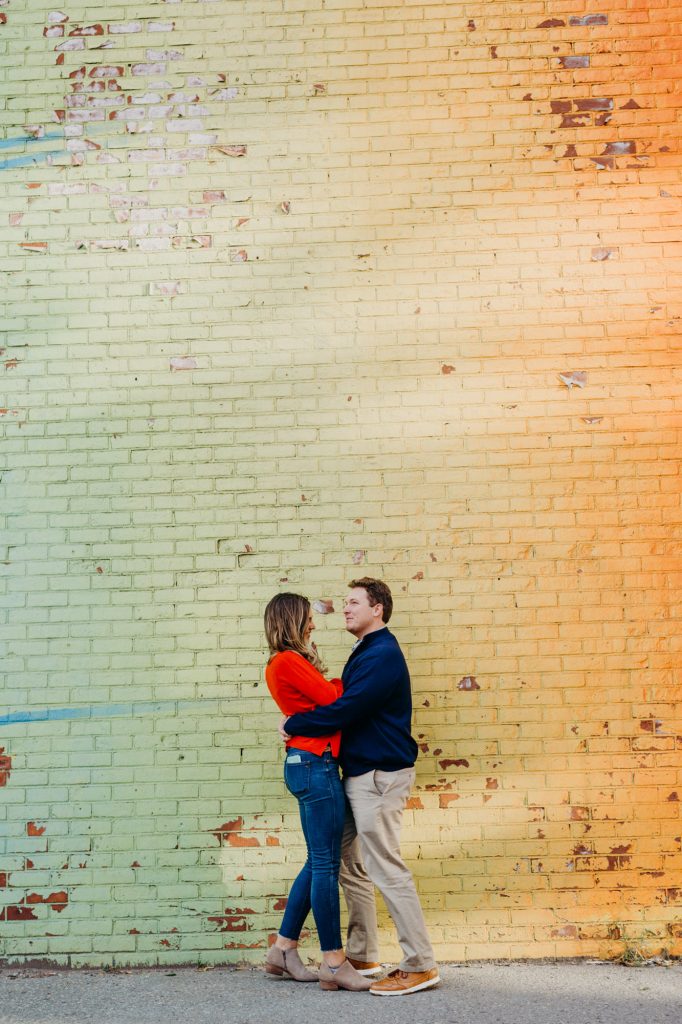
x: 296, y: 685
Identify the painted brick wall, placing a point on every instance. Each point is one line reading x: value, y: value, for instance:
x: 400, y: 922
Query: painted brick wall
x: 299, y: 289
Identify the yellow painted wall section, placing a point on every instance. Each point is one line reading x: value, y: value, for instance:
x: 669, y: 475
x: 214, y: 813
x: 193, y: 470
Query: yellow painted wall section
x: 297, y: 290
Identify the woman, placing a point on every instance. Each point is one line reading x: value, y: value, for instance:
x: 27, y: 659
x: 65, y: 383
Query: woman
x: 311, y: 774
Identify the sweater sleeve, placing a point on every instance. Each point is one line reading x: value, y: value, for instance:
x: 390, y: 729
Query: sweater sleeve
x: 374, y: 681
x: 299, y: 673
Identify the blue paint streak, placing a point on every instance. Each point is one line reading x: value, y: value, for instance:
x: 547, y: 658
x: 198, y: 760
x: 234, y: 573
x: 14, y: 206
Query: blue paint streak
x: 25, y: 161
x: 21, y: 139
x: 131, y: 710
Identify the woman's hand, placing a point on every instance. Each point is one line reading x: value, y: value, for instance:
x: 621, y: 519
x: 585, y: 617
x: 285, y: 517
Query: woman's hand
x: 282, y: 731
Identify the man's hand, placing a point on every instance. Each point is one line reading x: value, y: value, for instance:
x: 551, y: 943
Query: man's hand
x: 282, y: 731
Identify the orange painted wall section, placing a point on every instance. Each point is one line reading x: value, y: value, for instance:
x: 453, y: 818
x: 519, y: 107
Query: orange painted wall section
x: 297, y: 291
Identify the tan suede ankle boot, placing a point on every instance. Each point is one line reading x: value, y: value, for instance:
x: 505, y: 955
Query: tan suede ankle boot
x: 345, y: 977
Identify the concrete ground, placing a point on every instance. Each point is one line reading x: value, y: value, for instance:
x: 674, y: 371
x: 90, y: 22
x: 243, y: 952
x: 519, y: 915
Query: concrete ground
x: 564, y: 992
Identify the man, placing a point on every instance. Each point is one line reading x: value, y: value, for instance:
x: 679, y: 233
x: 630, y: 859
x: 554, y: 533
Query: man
x: 377, y: 755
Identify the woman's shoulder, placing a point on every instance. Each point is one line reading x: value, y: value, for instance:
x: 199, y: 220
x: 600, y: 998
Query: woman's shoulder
x: 281, y: 659
x: 286, y: 656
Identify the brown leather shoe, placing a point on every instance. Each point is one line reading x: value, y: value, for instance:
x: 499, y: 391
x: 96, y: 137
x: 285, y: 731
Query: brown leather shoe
x: 403, y: 983
x: 345, y: 977
x: 281, y: 963
x: 365, y: 967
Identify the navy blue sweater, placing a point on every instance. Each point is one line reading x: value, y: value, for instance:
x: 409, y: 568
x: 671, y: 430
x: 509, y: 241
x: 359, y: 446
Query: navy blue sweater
x: 374, y: 712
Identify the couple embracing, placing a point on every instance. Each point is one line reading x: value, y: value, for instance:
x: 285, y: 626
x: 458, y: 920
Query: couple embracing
x: 362, y: 724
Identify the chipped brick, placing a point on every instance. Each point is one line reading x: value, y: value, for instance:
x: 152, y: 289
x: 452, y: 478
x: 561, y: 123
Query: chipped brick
x: 70, y: 45
x: 468, y: 683
x: 323, y: 606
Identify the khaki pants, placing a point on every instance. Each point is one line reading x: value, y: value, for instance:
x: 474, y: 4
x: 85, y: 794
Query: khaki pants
x: 370, y: 855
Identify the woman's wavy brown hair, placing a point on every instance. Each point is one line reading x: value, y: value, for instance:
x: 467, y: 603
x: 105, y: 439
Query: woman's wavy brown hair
x: 286, y: 620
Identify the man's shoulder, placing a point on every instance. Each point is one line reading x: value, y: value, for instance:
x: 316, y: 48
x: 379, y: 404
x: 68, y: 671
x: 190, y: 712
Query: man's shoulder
x: 380, y: 646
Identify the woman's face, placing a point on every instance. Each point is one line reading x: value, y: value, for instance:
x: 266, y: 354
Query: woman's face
x: 309, y: 628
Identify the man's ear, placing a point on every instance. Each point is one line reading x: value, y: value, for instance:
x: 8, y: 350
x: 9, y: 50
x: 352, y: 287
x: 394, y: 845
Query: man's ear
x: 378, y: 610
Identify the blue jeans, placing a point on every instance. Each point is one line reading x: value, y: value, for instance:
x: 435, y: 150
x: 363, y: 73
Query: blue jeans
x: 314, y: 780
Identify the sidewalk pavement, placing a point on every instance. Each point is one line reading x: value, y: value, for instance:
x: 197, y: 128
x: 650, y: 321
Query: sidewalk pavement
x: 555, y: 992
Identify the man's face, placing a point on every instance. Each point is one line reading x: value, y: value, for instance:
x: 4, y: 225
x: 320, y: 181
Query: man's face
x: 361, y: 617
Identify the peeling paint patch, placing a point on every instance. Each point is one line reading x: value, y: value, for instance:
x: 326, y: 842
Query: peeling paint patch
x: 35, y: 830
x: 233, y: 919
x: 231, y: 833
x: 5, y: 767
x: 468, y: 683
x: 166, y: 288
x: 573, y: 378
x: 589, y: 19
x: 323, y: 606
x: 70, y: 45
x: 24, y: 909
x: 39, y: 247
x: 572, y: 63
x: 235, y: 151
x: 183, y: 363
x: 599, y: 255
x: 87, y: 30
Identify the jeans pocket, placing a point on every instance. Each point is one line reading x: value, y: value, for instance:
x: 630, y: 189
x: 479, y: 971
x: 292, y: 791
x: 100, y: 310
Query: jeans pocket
x: 297, y: 778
